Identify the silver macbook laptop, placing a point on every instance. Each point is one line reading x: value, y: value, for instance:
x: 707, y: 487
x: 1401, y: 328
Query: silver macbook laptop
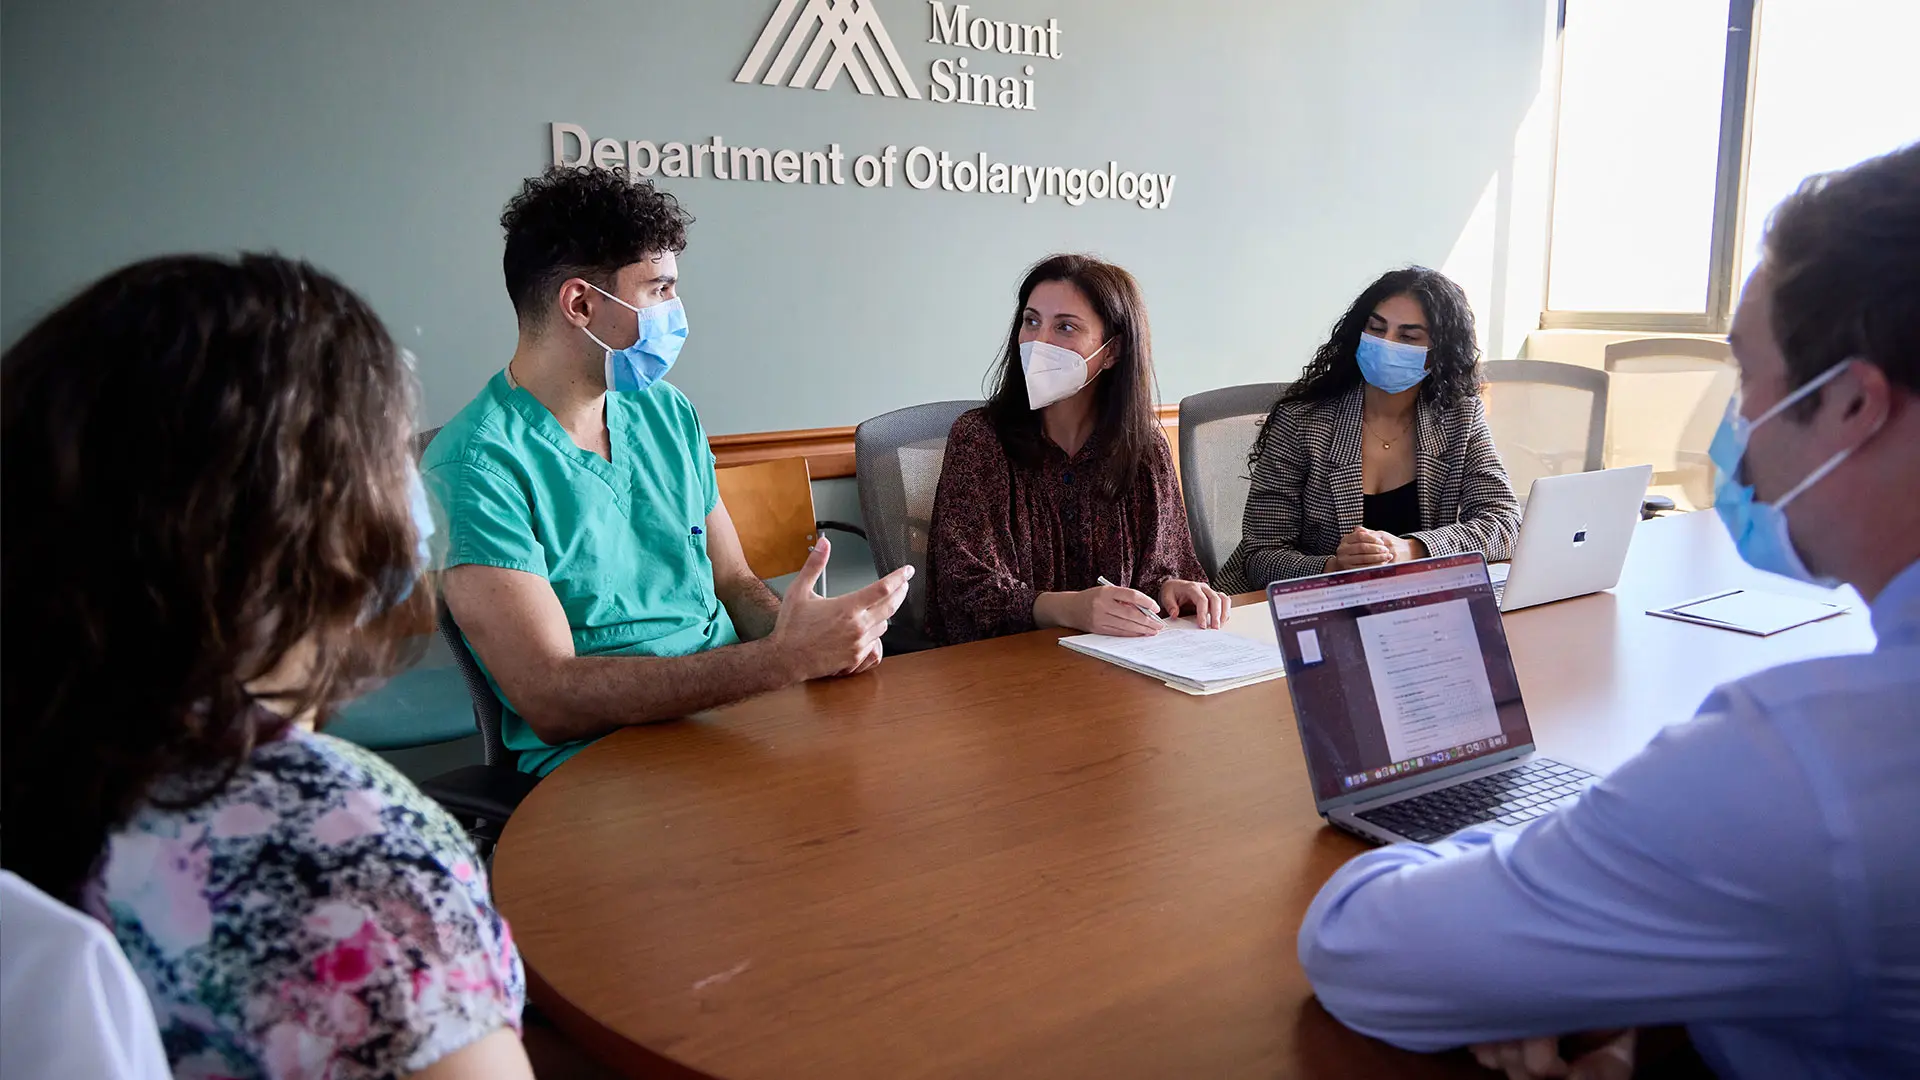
x: 1408, y: 706
x: 1574, y: 537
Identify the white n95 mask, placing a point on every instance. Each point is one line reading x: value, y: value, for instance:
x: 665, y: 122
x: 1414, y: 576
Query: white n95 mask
x: 1053, y: 373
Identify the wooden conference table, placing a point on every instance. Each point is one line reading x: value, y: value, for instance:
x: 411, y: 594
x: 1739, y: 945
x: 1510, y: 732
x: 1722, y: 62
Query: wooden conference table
x: 1006, y: 859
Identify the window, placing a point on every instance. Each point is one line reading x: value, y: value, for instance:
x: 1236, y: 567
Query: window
x: 1637, y: 154
x: 1682, y: 123
x: 1649, y: 90
x: 1834, y: 84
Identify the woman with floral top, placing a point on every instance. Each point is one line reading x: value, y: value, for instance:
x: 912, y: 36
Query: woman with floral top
x: 213, y: 530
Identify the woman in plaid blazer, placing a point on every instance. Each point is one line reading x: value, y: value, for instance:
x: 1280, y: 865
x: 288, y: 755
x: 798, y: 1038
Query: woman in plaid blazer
x: 1381, y: 451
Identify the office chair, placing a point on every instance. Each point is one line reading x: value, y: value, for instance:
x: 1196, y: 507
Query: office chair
x: 482, y: 796
x: 771, y: 503
x: 1217, y: 429
x: 1547, y: 418
x: 1674, y: 391
x: 425, y: 705
x: 897, y: 460
x: 1550, y: 418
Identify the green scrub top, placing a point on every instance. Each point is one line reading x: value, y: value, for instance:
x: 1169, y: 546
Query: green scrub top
x: 622, y: 542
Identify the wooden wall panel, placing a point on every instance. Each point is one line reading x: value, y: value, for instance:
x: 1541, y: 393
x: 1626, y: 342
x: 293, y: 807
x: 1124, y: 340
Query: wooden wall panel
x: 829, y: 451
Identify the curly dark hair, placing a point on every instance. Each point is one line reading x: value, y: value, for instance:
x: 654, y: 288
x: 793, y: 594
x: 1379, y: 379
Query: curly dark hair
x: 207, y: 466
x: 1453, y: 353
x: 586, y: 223
x: 1123, y: 397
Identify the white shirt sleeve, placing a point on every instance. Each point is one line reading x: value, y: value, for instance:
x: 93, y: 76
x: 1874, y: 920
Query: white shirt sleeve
x: 70, y: 1004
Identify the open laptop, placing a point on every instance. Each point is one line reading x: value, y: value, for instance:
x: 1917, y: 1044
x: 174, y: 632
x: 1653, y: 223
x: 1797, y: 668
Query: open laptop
x: 1408, y: 705
x: 1574, y: 536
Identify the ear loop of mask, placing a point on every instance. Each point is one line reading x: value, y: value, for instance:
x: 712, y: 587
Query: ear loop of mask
x: 1831, y: 463
x: 1092, y: 374
x: 615, y: 299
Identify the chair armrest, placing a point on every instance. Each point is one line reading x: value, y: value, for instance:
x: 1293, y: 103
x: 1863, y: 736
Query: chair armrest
x: 841, y: 526
x: 902, y: 638
x: 486, y: 794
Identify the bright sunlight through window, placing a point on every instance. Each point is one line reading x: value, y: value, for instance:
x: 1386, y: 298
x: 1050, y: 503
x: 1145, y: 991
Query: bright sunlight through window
x: 1639, y: 144
x: 1834, y: 84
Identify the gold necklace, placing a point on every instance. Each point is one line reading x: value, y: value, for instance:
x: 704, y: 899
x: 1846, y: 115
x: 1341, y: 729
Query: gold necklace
x: 1384, y: 443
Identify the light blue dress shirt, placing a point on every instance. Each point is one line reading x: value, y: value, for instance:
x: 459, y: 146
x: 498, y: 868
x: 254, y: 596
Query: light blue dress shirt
x: 1753, y: 874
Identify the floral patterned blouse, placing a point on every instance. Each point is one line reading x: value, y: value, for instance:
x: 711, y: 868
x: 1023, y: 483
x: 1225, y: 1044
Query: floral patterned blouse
x: 319, y: 918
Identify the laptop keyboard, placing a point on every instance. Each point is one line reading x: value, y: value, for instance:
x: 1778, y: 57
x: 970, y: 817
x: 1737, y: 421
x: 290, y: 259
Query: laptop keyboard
x: 1500, y: 590
x: 1508, y: 798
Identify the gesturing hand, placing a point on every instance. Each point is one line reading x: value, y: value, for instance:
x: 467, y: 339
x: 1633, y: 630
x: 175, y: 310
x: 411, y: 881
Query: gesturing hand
x: 1208, y: 604
x: 868, y: 662
x: 820, y: 636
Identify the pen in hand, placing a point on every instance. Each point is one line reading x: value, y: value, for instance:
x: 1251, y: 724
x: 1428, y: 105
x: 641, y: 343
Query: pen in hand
x: 1142, y: 608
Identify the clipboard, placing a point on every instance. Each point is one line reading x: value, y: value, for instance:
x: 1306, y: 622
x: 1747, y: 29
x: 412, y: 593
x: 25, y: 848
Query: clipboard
x: 1749, y: 611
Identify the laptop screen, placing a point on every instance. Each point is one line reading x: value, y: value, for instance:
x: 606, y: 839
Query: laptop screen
x: 1397, y: 670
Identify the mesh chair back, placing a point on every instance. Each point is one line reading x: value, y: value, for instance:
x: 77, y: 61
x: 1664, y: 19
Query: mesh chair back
x: 897, y: 458
x: 1547, y: 418
x: 1670, y: 393
x: 1217, y: 430
x: 488, y: 711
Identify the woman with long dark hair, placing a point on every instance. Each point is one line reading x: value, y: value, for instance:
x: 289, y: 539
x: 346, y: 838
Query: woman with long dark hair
x: 1064, y: 477
x: 212, y: 538
x: 1381, y: 451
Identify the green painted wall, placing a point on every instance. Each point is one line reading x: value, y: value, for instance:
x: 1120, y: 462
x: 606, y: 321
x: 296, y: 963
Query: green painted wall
x: 1315, y: 143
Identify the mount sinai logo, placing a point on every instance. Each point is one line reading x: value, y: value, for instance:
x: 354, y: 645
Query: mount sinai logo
x: 827, y: 37
x: 851, y: 29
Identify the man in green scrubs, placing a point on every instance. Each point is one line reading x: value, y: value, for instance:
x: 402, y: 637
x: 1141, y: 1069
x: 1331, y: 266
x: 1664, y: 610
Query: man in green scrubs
x: 591, y: 564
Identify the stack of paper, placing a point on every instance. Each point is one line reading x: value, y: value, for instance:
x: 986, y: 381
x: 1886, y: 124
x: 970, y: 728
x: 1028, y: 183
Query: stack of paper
x: 1188, y: 658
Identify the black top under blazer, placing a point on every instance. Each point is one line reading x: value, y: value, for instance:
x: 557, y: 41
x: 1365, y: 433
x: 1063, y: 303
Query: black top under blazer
x: 1306, y: 488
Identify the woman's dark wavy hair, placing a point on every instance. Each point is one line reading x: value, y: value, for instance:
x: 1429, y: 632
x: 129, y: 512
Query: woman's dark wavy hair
x: 1452, y: 350
x: 205, y: 464
x: 1124, y: 423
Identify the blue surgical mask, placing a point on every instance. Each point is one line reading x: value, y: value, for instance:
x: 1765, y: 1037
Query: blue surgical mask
x: 1391, y: 365
x: 663, y: 330
x: 402, y: 581
x: 423, y: 526
x: 1759, y: 529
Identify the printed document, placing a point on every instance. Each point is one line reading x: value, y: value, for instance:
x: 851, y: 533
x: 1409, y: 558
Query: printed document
x: 1188, y: 657
x: 1428, y: 678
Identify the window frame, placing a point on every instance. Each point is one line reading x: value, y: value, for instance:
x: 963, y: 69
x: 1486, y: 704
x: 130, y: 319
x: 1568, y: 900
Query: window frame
x: 1730, y: 179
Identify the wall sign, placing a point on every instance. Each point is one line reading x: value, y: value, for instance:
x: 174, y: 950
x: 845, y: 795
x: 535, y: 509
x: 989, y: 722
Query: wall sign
x: 812, y: 43
x: 860, y: 47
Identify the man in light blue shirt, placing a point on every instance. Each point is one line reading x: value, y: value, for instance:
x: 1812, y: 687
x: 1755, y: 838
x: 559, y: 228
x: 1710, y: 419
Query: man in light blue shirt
x: 1753, y: 874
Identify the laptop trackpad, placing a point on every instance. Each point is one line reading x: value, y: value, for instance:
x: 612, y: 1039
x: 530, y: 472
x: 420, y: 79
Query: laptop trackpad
x: 1498, y: 571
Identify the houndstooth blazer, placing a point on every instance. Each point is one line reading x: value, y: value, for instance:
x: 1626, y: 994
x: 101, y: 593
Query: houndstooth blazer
x: 1306, y: 489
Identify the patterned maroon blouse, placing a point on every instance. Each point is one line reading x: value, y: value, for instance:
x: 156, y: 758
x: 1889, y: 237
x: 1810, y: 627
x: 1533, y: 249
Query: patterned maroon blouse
x: 1003, y: 534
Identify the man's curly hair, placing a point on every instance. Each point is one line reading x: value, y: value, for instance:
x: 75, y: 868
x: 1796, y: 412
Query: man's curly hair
x: 586, y: 223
